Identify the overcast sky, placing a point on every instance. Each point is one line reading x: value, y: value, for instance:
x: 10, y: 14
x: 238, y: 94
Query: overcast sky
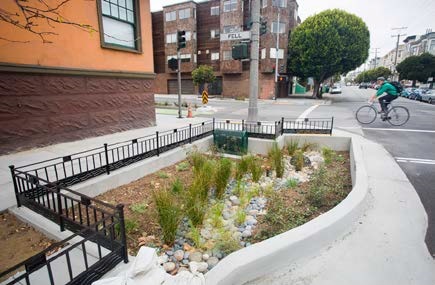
x: 379, y: 15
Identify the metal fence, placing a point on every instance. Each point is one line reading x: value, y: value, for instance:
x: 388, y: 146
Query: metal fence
x: 264, y: 129
x: 307, y: 126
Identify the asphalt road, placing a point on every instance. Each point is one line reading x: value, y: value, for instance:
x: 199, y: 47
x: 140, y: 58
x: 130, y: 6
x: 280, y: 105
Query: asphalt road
x: 412, y: 145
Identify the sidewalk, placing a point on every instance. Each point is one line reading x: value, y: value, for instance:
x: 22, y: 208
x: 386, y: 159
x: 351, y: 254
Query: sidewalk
x: 7, y: 196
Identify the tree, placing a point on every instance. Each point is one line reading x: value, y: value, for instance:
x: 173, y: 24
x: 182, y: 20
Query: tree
x: 328, y: 43
x: 417, y: 68
x: 203, y: 74
x: 373, y: 74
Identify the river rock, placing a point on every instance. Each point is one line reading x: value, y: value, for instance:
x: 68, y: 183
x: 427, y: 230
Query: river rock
x: 205, y: 257
x: 169, y: 266
x: 202, y: 266
x: 212, y: 261
x: 179, y: 255
x: 195, y: 256
x: 234, y: 200
x: 206, y: 233
x: 162, y: 259
x: 246, y: 233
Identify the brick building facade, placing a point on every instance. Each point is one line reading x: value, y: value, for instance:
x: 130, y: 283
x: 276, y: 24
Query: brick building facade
x: 205, y: 24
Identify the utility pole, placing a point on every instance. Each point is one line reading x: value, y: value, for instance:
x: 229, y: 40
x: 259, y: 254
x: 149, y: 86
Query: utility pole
x: 179, y: 83
x: 276, y: 56
x: 397, y: 43
x: 376, y: 57
x: 253, y: 70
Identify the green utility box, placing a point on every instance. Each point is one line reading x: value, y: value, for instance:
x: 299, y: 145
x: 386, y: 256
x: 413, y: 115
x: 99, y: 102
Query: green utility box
x: 232, y: 142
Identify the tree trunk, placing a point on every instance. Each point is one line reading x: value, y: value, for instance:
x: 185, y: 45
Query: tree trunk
x: 316, y: 90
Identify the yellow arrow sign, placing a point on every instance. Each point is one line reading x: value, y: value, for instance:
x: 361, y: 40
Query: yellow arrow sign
x: 204, y: 97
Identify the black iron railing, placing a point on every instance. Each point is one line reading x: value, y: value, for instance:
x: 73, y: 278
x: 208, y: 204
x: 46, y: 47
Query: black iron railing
x: 42, y: 187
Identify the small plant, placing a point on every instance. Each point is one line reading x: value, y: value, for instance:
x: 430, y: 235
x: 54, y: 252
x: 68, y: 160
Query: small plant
x: 131, y: 226
x: 195, y: 235
x: 268, y: 190
x: 226, y: 243
x: 242, y: 167
x: 177, y: 186
x: 216, y: 215
x: 169, y: 214
x: 254, y: 165
x: 291, y: 183
x: 196, y: 207
x: 318, y: 188
x: 292, y: 146
x: 328, y: 154
x: 162, y: 175
x: 340, y: 158
x: 298, y: 160
x: 307, y: 146
x: 276, y: 156
x: 222, y: 176
x: 240, y: 217
x: 196, y: 159
x: 240, y: 98
x: 139, y: 208
x: 240, y: 187
x: 182, y: 166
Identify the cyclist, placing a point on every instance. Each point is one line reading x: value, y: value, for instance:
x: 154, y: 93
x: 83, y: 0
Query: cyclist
x: 385, y: 94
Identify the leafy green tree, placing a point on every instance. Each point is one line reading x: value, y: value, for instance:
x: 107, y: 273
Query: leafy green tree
x: 328, y: 43
x: 417, y: 68
x: 373, y: 74
x: 203, y: 74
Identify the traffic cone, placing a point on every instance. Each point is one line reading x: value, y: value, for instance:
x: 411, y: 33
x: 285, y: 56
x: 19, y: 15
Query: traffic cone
x: 189, y: 112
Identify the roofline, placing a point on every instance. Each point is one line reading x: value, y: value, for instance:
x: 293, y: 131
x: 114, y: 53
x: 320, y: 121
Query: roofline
x: 175, y: 4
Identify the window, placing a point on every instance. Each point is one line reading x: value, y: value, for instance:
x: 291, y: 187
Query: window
x: 263, y: 53
x: 185, y: 57
x: 171, y: 38
x: 215, y: 56
x: 214, y: 33
x: 230, y: 5
x: 120, y: 27
x: 227, y: 54
x: 184, y: 13
x: 263, y: 3
x: 279, y: 3
x: 432, y: 45
x: 194, y: 58
x: 188, y: 36
x: 230, y: 29
x: 273, y: 53
x: 171, y: 56
x: 275, y: 27
x: 170, y: 16
x: 214, y: 11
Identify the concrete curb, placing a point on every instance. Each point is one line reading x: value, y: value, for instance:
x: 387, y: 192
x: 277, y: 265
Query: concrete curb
x: 259, y: 259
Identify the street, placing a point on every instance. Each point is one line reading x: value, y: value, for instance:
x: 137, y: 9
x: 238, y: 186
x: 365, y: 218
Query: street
x: 410, y: 144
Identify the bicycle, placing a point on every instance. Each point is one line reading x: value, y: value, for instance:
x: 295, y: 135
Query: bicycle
x: 396, y: 115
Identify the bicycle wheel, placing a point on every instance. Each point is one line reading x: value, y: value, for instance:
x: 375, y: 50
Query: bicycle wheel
x: 398, y: 116
x: 366, y: 114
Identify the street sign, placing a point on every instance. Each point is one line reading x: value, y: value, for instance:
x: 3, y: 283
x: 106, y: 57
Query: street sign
x: 236, y: 36
x: 204, y: 97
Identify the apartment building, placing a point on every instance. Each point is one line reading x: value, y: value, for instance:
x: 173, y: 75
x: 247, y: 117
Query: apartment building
x: 212, y: 28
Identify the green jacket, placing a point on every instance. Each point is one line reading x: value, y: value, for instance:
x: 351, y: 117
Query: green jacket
x: 386, y: 87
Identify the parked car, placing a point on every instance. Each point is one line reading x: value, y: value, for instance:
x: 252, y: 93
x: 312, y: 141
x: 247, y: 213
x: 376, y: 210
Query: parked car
x: 406, y: 92
x: 336, y: 89
x: 428, y: 96
x: 416, y: 94
x: 363, y: 85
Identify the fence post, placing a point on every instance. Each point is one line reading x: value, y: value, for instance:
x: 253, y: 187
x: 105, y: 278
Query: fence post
x: 282, y: 125
x: 106, y: 152
x: 120, y: 209
x: 276, y: 129
x: 17, y: 195
x: 213, y: 123
x: 59, y: 208
x: 332, y: 125
x: 243, y: 125
x: 157, y: 143
x: 190, y: 133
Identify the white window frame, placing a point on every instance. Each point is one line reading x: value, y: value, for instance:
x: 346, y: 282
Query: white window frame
x: 188, y: 36
x: 171, y: 16
x: 230, y: 5
x: 227, y: 55
x: 171, y: 38
x: 214, y: 33
x: 215, y: 56
x: 170, y: 56
x: 214, y: 11
x: 431, y: 46
x: 184, y: 57
x: 263, y: 53
x: 184, y: 13
x: 272, y: 53
x: 274, y: 26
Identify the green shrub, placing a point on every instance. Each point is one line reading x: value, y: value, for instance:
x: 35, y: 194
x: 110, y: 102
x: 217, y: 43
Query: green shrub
x: 196, y: 159
x: 131, y: 225
x: 196, y: 207
x: 203, y: 179
x: 240, y: 217
x: 328, y: 154
x: 254, y: 165
x: 277, y: 159
x: 226, y: 243
x: 240, y: 187
x: 292, y: 146
x: 177, y: 186
x: 298, y: 159
x: 216, y: 215
x: 169, y: 214
x: 291, y: 183
x: 222, y: 176
x: 318, y: 188
x: 182, y: 166
x: 139, y: 208
x: 242, y: 167
x: 163, y: 175
x: 195, y: 235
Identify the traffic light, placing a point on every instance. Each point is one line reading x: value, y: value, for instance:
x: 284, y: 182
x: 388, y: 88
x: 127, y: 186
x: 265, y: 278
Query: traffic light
x: 181, y: 39
x: 173, y: 63
x: 263, y: 27
x: 240, y: 51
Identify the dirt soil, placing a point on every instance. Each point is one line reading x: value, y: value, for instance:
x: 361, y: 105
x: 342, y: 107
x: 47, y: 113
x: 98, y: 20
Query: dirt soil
x: 18, y: 241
